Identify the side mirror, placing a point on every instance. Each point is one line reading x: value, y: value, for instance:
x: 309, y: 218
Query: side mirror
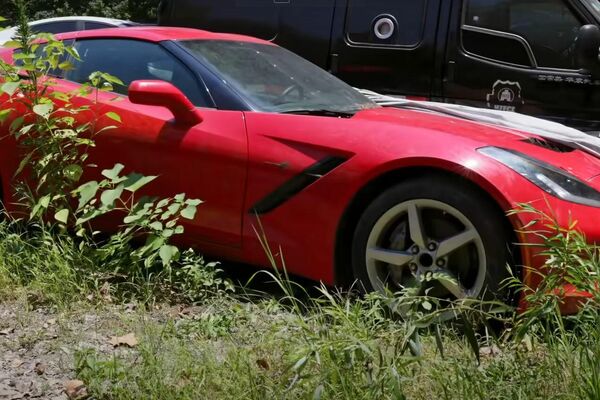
x: 164, y: 94
x: 587, y: 49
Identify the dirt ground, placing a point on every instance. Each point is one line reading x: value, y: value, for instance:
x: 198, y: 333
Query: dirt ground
x: 37, y: 346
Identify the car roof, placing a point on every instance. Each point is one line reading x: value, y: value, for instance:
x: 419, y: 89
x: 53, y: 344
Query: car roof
x: 157, y: 34
x: 112, y: 21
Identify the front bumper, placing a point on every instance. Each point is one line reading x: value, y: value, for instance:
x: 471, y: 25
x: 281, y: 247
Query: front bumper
x: 552, y: 213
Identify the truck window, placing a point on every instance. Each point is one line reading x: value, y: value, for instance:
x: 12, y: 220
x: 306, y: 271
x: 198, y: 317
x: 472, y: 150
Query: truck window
x: 407, y: 17
x: 538, y: 32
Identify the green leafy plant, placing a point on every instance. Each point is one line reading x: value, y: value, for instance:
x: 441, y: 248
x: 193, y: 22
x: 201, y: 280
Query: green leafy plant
x: 55, y: 135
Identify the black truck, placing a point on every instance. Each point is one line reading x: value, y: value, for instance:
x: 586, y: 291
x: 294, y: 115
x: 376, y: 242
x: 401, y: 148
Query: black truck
x: 538, y: 57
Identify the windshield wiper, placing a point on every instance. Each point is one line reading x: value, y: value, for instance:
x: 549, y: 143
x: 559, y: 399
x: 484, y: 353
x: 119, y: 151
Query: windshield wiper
x: 321, y: 112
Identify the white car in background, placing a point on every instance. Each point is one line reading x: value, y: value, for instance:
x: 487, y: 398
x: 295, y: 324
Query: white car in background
x: 67, y: 24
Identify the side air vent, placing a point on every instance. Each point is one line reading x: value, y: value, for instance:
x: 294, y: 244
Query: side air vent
x: 296, y: 184
x: 550, y: 145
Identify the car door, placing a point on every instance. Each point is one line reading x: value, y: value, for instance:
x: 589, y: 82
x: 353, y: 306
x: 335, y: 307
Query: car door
x: 388, y: 46
x: 206, y: 161
x: 518, y: 55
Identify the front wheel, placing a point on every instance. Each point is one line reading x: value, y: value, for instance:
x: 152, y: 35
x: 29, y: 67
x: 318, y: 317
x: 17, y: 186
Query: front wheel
x: 438, y: 235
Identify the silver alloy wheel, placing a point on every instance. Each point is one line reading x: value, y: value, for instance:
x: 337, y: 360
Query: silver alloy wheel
x: 421, y: 254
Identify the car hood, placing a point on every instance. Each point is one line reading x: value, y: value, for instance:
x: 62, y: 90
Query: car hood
x: 501, y: 119
x: 565, y: 148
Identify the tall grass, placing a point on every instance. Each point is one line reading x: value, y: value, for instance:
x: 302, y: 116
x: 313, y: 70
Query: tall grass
x: 52, y: 267
x: 340, y: 346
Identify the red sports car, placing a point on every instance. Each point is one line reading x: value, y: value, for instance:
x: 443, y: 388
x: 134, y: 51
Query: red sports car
x: 346, y: 188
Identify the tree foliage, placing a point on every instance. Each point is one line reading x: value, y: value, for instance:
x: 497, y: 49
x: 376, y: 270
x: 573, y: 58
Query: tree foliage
x: 135, y: 10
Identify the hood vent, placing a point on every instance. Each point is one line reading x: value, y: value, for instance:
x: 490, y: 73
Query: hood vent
x: 549, y: 145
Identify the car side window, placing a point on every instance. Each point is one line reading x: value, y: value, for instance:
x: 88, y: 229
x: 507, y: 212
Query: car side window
x: 538, y: 33
x: 131, y: 60
x: 55, y: 27
x: 90, y: 25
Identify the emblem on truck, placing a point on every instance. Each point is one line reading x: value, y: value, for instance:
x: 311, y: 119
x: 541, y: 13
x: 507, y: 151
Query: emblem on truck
x: 505, y: 96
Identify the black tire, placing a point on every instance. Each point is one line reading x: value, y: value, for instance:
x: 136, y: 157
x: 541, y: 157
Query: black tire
x: 485, y: 217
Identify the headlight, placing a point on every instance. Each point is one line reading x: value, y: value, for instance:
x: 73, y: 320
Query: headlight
x: 548, y: 178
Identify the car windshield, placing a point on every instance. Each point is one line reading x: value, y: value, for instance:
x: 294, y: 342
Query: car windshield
x: 273, y: 79
x: 594, y: 7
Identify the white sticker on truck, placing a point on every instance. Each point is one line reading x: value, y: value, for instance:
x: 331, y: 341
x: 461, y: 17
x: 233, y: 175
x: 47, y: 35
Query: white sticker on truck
x: 505, y: 96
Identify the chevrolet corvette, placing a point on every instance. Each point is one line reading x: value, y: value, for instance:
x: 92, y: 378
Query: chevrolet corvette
x: 347, y: 189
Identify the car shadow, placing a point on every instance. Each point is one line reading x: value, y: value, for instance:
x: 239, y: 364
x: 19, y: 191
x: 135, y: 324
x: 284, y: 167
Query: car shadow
x: 260, y: 283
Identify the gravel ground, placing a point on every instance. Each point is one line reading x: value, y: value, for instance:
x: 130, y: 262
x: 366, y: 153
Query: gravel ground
x: 37, y: 346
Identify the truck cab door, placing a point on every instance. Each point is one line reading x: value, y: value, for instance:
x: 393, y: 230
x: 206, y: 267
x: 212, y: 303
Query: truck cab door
x: 519, y: 55
x: 387, y: 46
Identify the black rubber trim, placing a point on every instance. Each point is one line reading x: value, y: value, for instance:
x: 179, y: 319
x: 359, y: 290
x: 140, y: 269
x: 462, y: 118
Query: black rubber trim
x: 296, y: 184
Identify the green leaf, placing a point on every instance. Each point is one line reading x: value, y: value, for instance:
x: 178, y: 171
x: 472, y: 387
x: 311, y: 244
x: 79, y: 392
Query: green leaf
x: 136, y: 181
x: 66, y: 66
x: 4, y: 114
x: 112, y: 79
x: 163, y: 203
x: 300, y: 364
x: 62, y: 215
x: 16, y: 124
x: 414, y: 345
x: 132, y: 218
x: 43, y: 110
x: 73, y: 172
x: 438, y: 340
x: 189, y: 212
x: 153, y: 243
x: 193, y: 202
x: 60, y: 96
x: 109, y: 197
x: 24, y: 130
x: 87, y: 192
x: 156, y: 225
x: 470, y: 335
x: 24, y: 163
x: 113, y: 173
x: 73, y: 52
x: 88, y: 216
x: 10, y: 87
x: 426, y: 305
x: 168, y: 254
x: 114, y: 116
x: 13, y: 44
x: 41, y: 205
x: 318, y: 393
x: 45, y: 201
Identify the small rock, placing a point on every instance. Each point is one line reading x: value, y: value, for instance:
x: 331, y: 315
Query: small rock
x: 75, y: 389
x: 40, y: 368
x: 492, y: 350
x: 128, y: 340
x: 6, y: 331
